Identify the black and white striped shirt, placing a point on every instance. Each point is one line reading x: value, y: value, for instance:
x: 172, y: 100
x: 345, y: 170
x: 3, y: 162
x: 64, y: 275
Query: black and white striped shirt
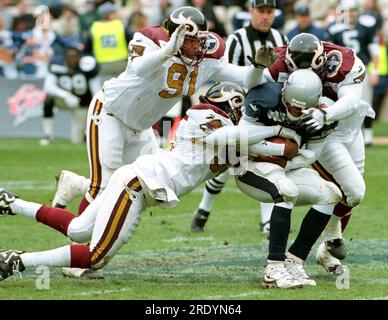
x: 246, y: 41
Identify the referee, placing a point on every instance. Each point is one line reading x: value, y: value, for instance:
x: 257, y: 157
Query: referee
x: 246, y: 41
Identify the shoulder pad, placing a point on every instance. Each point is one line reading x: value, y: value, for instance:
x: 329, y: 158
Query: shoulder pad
x: 336, y: 28
x: 264, y: 96
x: 205, y: 106
x: 367, y: 20
x: 216, y: 46
x: 155, y: 34
x: 87, y: 63
x: 58, y: 69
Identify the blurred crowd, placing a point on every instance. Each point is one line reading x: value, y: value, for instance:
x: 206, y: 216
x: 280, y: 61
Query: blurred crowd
x: 34, y: 33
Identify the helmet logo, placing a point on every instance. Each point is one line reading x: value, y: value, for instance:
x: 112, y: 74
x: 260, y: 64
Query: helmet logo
x: 334, y: 61
x: 191, y: 26
x: 318, y: 59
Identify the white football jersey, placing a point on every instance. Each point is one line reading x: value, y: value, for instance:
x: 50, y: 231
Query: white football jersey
x: 170, y: 174
x: 141, y: 101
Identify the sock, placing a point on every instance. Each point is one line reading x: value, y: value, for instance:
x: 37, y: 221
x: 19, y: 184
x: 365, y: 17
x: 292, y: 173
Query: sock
x: 333, y: 228
x: 59, y: 257
x: 83, y: 205
x: 266, y: 210
x: 312, y: 226
x: 345, y: 221
x: 280, y: 228
x: 213, y: 188
x: 56, y: 218
x: 80, y: 256
x: 341, y: 210
x: 48, y: 125
x: 25, y: 208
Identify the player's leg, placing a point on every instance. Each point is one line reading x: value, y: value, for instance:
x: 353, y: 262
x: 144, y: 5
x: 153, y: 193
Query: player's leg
x: 323, y: 195
x: 212, y: 188
x: 118, y: 216
x: 78, y: 229
x: 337, y: 164
x: 70, y: 184
x: 78, y: 125
x: 273, y: 186
x: 265, y: 213
x: 48, y: 121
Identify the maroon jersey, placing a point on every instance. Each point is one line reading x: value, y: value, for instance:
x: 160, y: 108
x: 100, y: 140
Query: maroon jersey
x: 342, y: 66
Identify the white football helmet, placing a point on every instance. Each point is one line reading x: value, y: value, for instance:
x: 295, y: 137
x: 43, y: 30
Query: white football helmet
x: 300, y: 92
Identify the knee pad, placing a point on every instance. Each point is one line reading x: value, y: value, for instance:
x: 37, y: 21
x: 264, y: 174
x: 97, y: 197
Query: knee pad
x: 287, y: 189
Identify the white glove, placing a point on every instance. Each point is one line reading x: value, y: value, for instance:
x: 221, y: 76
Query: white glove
x: 72, y: 101
x: 176, y: 41
x: 314, y: 119
x: 289, y: 134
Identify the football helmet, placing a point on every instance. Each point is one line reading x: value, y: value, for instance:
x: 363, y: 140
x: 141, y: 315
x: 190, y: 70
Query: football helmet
x: 228, y: 96
x: 195, y: 45
x: 300, y: 92
x: 306, y: 51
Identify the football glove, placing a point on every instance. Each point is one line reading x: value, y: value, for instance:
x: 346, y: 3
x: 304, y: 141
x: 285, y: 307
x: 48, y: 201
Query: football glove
x: 72, y: 101
x: 314, y: 119
x: 176, y: 41
x: 265, y: 57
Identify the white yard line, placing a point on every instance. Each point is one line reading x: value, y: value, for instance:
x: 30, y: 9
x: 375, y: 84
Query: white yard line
x: 99, y: 292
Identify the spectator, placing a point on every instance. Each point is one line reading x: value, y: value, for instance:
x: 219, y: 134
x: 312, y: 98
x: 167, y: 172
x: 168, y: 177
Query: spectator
x: 207, y: 9
x: 305, y: 24
x: 68, y: 25
x: 67, y: 86
x: 7, y: 49
x: 108, y: 41
x: 23, y: 21
x: 137, y: 21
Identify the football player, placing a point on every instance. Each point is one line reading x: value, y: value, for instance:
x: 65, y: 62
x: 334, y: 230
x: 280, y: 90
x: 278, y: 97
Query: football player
x: 275, y: 177
x: 154, y: 179
x: 67, y: 86
x: 165, y: 63
x: 342, y: 74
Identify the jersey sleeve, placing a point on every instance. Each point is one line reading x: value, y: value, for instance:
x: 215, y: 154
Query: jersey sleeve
x: 278, y: 71
x: 260, y: 100
x: 356, y: 74
x: 141, y: 45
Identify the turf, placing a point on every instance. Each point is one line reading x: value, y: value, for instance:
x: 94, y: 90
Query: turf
x: 164, y: 260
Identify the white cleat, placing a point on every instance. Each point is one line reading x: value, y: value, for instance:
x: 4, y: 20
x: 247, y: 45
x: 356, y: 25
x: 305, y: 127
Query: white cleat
x: 69, y: 186
x: 326, y: 260
x: 82, y: 273
x: 277, y: 276
x: 295, y: 267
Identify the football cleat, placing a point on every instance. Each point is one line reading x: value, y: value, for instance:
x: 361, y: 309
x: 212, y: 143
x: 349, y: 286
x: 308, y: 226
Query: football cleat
x: 199, y: 220
x: 10, y: 262
x: 277, y: 276
x: 326, y: 260
x: 69, y: 186
x: 82, y: 273
x: 337, y: 248
x: 295, y: 267
x: 6, y: 198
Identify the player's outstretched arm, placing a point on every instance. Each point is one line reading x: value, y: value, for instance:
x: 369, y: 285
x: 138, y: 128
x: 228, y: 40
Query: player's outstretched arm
x: 146, y: 64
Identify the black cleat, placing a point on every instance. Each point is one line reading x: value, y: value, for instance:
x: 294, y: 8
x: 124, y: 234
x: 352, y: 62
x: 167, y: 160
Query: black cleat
x: 6, y: 198
x: 199, y: 220
x: 10, y: 262
x: 337, y: 248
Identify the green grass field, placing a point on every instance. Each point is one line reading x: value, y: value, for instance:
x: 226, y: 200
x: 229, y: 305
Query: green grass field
x: 164, y: 260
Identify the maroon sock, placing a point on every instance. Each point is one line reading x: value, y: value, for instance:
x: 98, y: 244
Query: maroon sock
x: 83, y: 205
x: 341, y: 210
x: 56, y: 218
x: 345, y: 220
x: 80, y: 256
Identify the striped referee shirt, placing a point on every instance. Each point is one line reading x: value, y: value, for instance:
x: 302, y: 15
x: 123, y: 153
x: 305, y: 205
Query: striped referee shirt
x: 246, y: 41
